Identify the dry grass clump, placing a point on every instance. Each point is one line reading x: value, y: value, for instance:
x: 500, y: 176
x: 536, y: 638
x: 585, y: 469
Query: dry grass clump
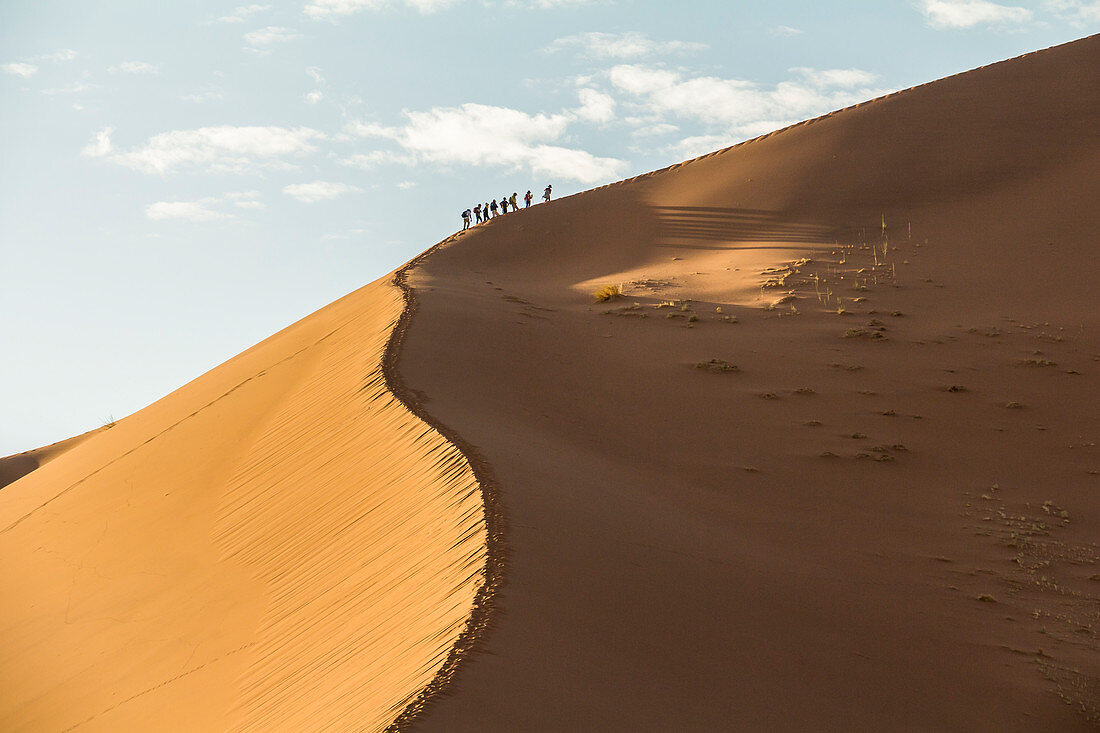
x: 717, y: 365
x: 862, y: 333
x: 608, y: 292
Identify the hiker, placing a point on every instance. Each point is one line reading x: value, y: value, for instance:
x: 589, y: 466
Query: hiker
x: 465, y: 220
x: 512, y: 201
x: 527, y: 199
x: 477, y: 213
x: 503, y: 205
x: 493, y: 208
x: 546, y: 194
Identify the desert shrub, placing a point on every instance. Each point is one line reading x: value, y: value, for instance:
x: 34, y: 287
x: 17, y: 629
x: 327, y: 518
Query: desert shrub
x: 608, y: 292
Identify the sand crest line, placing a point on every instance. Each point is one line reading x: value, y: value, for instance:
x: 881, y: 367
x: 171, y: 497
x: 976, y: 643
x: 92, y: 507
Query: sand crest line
x: 496, y: 551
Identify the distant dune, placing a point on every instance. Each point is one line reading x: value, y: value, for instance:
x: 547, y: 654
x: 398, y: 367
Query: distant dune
x: 828, y: 463
x: 19, y: 465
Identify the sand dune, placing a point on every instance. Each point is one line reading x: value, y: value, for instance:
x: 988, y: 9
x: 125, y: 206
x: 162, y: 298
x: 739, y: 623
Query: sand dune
x: 278, y: 545
x: 791, y: 482
x: 830, y: 464
x: 19, y: 465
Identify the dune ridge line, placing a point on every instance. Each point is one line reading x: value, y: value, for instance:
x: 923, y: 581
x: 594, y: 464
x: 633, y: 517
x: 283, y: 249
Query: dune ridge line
x: 280, y: 544
x: 480, y: 619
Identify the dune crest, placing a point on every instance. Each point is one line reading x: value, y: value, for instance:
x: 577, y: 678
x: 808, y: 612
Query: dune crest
x: 280, y: 544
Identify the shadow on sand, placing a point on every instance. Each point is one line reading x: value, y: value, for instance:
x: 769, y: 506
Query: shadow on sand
x: 704, y: 227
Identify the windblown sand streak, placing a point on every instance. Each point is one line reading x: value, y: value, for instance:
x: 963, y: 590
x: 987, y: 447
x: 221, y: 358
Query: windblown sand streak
x: 279, y: 545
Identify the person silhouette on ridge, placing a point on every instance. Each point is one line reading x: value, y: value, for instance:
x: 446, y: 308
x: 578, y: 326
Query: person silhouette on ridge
x: 546, y: 194
x: 527, y: 199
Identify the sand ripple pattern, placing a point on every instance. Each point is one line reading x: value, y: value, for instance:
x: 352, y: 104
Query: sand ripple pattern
x: 280, y: 545
x: 368, y: 528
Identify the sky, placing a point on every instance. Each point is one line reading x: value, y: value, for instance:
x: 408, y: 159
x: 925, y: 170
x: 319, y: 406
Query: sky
x: 179, y: 181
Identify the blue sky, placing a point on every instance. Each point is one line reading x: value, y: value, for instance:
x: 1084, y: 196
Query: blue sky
x: 181, y: 180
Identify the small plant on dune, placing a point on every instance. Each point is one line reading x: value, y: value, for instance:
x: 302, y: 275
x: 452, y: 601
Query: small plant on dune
x: 717, y: 365
x: 110, y: 421
x: 608, y: 292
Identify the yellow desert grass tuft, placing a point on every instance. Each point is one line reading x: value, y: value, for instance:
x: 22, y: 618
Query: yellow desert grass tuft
x: 608, y: 292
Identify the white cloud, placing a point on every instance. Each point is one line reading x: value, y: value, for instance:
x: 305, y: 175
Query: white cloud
x: 269, y: 36
x: 28, y: 67
x: 406, y: 185
x: 311, y: 193
x: 242, y: 13
x: 245, y: 199
x: 20, y: 69
x: 661, y: 128
x: 374, y: 158
x: 482, y: 135
x: 100, y: 144
x: 208, y: 208
x: 620, y: 45
x: 1076, y: 12
x: 843, y: 78
x: 944, y: 14
x: 219, y: 149
x: 315, y: 95
x: 71, y: 89
x: 333, y: 9
x: 693, y: 147
x: 742, y: 107
x: 786, y: 31
x: 134, y: 67
x: 596, y: 106
x: 185, y: 210
x: 58, y: 56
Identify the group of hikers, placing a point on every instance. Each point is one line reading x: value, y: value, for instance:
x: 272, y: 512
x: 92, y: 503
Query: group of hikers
x: 484, y: 212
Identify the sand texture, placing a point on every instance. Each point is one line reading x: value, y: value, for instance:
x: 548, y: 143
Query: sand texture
x: 278, y: 545
x: 19, y: 465
x: 829, y: 464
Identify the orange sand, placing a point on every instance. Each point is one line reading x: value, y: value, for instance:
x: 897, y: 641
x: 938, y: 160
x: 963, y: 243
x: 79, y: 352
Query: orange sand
x: 830, y: 464
x: 279, y: 544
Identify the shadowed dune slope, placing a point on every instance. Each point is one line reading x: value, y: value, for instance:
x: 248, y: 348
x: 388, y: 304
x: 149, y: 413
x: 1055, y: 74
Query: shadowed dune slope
x: 831, y: 463
x: 278, y: 545
x: 19, y: 465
